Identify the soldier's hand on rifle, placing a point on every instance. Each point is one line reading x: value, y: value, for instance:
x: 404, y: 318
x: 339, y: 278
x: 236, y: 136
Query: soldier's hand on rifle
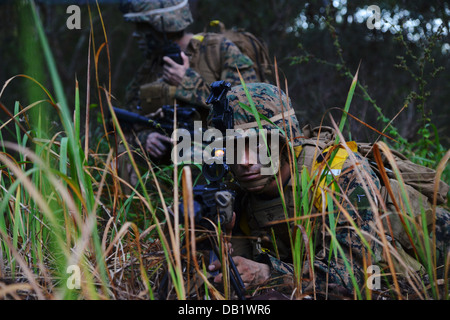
x: 173, y: 72
x: 157, y: 144
x: 252, y: 272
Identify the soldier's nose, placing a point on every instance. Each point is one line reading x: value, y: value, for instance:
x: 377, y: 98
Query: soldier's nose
x: 242, y: 157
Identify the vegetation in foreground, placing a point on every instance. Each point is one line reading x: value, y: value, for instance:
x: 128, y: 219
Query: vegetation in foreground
x: 63, y: 213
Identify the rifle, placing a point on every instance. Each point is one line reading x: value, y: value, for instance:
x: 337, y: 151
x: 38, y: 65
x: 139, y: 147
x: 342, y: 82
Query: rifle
x: 185, y: 116
x: 215, y: 201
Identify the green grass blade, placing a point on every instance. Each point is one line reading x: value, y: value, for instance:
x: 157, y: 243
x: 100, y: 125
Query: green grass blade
x: 347, y: 103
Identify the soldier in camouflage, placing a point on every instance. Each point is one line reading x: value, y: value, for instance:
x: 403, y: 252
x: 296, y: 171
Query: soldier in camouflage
x: 161, y: 81
x: 336, y: 256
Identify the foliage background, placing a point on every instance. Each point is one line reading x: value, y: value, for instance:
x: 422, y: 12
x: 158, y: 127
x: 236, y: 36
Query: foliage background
x: 322, y: 51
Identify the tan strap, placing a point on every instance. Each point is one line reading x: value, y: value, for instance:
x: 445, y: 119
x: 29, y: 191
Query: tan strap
x: 254, y: 124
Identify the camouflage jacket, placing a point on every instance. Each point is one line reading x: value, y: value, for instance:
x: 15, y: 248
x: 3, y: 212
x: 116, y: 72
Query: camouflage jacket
x: 212, y: 57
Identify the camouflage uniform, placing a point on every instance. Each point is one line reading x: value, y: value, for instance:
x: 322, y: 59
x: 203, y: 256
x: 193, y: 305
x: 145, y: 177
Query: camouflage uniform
x: 262, y: 233
x: 147, y: 91
x: 212, y: 57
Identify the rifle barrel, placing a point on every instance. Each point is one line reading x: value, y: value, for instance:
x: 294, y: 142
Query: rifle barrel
x: 128, y: 116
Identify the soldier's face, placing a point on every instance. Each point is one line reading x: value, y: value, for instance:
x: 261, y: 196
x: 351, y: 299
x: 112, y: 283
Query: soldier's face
x: 147, y: 38
x: 247, y: 170
x: 248, y: 164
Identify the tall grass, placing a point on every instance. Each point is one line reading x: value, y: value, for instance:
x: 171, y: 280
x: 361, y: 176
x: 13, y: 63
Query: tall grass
x: 61, y: 205
x: 398, y: 268
x: 52, y: 201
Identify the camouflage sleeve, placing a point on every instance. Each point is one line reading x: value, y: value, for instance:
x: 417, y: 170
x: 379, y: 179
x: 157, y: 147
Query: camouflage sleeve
x: 329, y: 277
x: 132, y: 93
x: 281, y: 273
x: 442, y: 237
x: 194, y: 89
x: 133, y: 103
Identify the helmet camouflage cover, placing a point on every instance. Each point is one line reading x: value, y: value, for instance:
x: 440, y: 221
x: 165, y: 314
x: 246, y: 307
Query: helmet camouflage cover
x: 176, y: 13
x: 270, y: 103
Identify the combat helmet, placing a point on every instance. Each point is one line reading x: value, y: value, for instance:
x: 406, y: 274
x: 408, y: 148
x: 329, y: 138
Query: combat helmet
x: 270, y: 102
x: 276, y: 112
x: 176, y: 13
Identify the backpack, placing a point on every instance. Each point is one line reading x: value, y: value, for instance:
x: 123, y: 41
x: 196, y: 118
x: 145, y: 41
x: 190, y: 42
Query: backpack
x: 419, y: 177
x: 252, y: 47
x: 418, y: 180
